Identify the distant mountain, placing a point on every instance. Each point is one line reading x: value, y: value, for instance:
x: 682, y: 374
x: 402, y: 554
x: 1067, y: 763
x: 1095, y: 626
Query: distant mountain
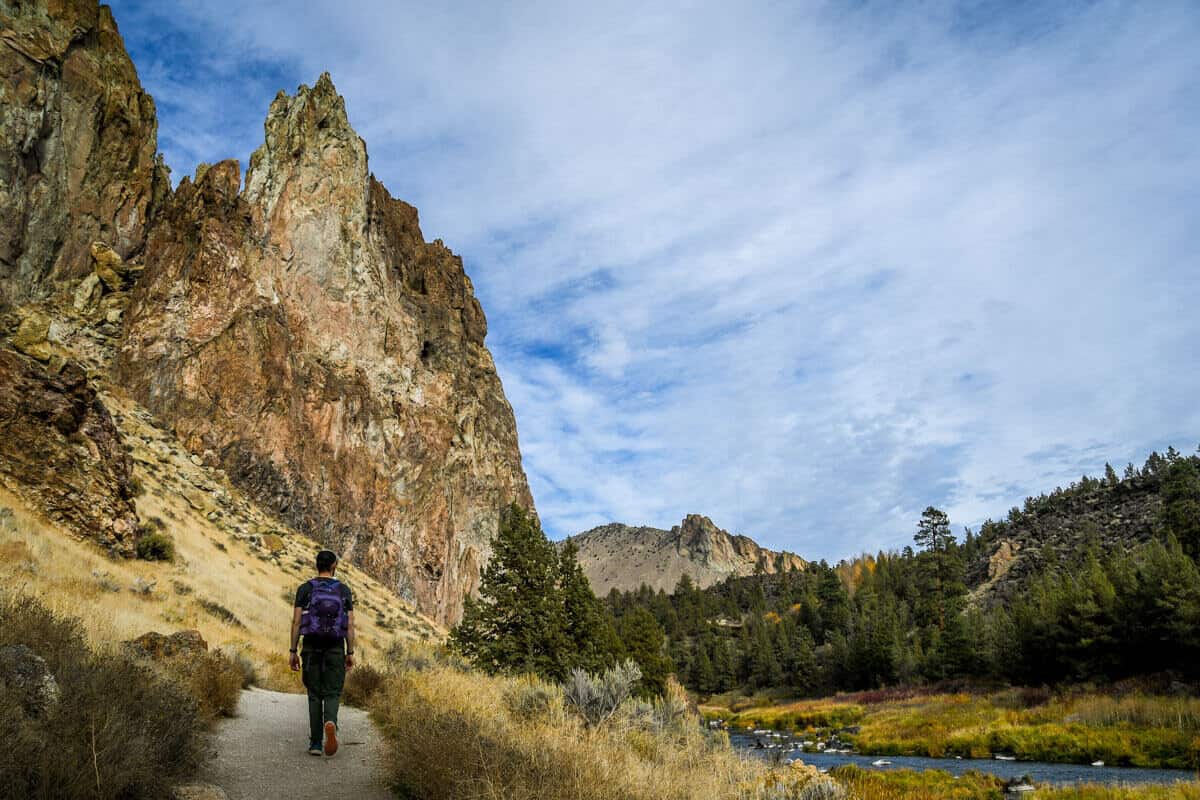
x: 623, y: 557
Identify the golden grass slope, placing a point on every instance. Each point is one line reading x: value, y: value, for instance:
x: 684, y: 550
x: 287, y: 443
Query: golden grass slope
x: 235, y: 571
x: 455, y: 734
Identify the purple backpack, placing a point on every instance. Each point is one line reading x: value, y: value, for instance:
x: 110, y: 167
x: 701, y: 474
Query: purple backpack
x: 326, y: 613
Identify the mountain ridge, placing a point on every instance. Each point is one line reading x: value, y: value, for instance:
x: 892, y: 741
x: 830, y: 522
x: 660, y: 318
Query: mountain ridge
x: 624, y: 557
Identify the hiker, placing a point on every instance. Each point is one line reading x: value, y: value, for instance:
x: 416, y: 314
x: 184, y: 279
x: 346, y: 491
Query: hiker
x: 324, y: 616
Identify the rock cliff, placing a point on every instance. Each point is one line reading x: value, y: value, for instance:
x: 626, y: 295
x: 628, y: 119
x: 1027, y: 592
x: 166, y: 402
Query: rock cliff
x: 297, y: 332
x: 79, y: 160
x: 622, y: 557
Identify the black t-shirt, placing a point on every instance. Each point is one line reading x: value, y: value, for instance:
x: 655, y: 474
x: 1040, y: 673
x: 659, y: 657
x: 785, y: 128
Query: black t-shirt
x: 315, y: 641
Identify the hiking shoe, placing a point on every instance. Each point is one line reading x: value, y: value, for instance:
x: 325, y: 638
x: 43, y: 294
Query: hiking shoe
x: 314, y: 749
x: 330, y: 738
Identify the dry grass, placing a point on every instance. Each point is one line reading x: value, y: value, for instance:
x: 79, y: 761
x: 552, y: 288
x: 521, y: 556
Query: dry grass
x: 463, y: 735
x: 120, y: 730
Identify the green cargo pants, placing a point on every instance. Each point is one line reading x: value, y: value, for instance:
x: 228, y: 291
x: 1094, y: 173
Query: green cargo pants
x: 324, y: 675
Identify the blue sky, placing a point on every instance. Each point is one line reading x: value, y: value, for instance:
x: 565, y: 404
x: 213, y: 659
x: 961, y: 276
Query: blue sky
x: 804, y: 268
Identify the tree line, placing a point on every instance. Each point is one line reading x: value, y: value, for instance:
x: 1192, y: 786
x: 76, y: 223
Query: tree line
x: 893, y: 618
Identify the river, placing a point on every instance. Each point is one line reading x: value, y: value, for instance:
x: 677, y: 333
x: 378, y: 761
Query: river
x: 1038, y: 771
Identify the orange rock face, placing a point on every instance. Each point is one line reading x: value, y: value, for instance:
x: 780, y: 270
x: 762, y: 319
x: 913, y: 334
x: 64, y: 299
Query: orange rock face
x: 302, y: 334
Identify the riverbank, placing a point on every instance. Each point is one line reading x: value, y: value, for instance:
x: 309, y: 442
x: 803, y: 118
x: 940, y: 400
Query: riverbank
x: 1041, y: 773
x: 1136, y: 729
x: 934, y: 785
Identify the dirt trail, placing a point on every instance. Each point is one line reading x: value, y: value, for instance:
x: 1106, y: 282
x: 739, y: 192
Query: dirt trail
x: 261, y: 753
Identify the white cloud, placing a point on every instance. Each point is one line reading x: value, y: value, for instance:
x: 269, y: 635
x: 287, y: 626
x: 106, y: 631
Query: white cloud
x: 805, y: 271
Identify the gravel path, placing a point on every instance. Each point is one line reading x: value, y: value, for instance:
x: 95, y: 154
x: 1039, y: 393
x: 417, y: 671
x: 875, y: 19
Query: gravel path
x: 261, y: 753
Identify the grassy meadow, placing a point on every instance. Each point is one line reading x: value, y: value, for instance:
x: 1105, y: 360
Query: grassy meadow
x: 1134, y: 729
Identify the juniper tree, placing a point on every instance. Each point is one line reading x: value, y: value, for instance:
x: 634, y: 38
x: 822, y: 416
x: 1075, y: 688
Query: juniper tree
x: 516, y: 624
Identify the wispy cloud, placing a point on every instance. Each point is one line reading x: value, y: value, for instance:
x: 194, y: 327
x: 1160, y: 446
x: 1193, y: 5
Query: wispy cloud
x: 806, y: 270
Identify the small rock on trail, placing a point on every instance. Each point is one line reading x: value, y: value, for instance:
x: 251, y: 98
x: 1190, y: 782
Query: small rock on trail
x: 261, y: 753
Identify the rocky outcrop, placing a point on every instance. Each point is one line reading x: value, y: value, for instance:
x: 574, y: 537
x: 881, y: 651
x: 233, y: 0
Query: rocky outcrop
x: 156, y: 646
x: 25, y: 676
x: 623, y: 557
x: 301, y: 334
x: 1055, y: 529
x: 79, y: 159
x: 60, y: 449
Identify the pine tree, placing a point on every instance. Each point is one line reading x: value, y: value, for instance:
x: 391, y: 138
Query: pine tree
x: 643, y: 641
x: 704, y: 676
x: 940, y: 564
x: 724, y: 665
x: 516, y: 624
x: 591, y: 643
x: 1181, y: 504
x: 1110, y: 475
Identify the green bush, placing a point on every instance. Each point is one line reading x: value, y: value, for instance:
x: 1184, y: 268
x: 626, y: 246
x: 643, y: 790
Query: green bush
x: 120, y: 729
x: 156, y: 546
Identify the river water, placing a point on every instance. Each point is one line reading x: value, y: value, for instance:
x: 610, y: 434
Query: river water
x: 1038, y: 771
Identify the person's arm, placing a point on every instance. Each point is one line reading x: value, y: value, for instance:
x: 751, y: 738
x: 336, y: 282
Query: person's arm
x: 350, y: 640
x: 294, y: 659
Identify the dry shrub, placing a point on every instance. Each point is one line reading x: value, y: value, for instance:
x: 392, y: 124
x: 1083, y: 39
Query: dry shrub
x: 119, y: 730
x: 456, y: 734
x: 362, y: 683
x: 241, y: 659
x: 212, y: 678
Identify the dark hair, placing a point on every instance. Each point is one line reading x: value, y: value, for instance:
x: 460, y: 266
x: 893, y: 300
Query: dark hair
x: 325, y: 560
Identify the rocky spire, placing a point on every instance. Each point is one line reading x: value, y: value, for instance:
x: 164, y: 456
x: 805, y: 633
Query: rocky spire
x: 303, y: 335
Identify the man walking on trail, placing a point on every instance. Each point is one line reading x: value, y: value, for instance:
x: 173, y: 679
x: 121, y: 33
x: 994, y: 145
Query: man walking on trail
x: 324, y: 616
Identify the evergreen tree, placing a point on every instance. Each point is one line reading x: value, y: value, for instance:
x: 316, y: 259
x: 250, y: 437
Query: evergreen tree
x: 643, y: 641
x: 516, y: 623
x: 591, y: 643
x: 724, y: 665
x: 704, y: 676
x: 940, y: 566
x: 1110, y: 475
x: 1181, y: 504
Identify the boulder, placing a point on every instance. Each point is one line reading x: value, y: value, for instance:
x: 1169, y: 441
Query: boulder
x: 32, y: 335
x: 24, y: 674
x: 157, y: 646
x: 105, y: 256
x: 87, y: 294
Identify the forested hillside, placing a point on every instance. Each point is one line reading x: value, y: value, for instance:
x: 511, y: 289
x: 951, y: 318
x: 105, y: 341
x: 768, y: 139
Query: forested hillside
x: 1097, y: 581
